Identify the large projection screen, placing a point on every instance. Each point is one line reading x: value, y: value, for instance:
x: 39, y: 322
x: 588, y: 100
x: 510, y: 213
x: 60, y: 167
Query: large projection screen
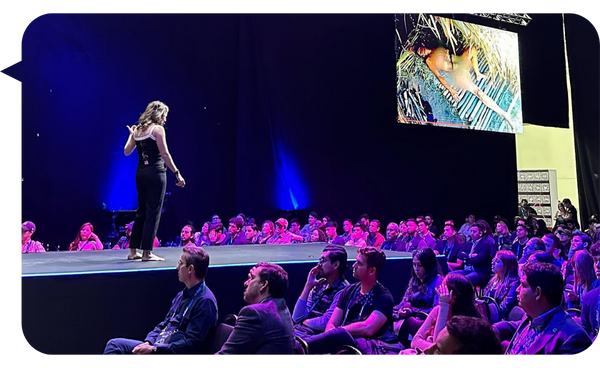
x: 457, y: 74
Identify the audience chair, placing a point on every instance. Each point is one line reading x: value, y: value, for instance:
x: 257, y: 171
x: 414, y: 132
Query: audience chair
x: 516, y: 314
x: 489, y: 307
x: 348, y: 350
x: 301, y: 346
x: 221, y: 335
x: 230, y: 319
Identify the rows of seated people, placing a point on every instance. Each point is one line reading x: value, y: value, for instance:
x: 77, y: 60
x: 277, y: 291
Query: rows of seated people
x: 505, y: 292
x: 523, y: 309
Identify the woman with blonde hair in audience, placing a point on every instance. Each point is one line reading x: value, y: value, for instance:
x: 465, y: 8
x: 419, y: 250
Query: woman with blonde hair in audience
x: 86, y: 239
x: 268, y: 231
x: 503, y: 285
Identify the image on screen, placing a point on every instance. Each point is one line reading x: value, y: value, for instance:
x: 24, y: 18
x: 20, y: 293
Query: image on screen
x: 457, y: 74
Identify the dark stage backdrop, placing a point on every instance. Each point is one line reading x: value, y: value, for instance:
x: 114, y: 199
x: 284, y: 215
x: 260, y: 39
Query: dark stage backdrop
x: 268, y: 114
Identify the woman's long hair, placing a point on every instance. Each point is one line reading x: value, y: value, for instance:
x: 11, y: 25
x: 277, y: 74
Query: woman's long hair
x: 583, y: 265
x: 75, y: 243
x: 156, y: 113
x: 464, y: 304
x: 429, y: 262
x: 271, y: 228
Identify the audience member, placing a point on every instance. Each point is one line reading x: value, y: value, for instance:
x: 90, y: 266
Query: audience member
x: 590, y: 304
x: 186, y: 237
x: 236, y: 236
x: 553, y: 248
x: 201, y: 237
x: 533, y: 244
x: 332, y: 235
x: 562, y: 213
x: 252, y: 233
x: 320, y: 296
x: 564, y: 236
x: 356, y: 240
x: 413, y: 240
x: 572, y: 211
x: 264, y: 326
x: 347, y: 227
x: 465, y: 229
x: 215, y: 219
x: 585, y: 278
x: 420, y: 294
x: 295, y: 226
x: 318, y: 236
x: 364, y: 220
x: 282, y: 235
x: 580, y: 241
x: 86, y: 239
x: 433, y: 230
x: 363, y: 315
x: 525, y: 210
x: 466, y: 335
x: 545, y: 328
x: 451, y: 247
x: 29, y: 245
x: 268, y: 232
x: 521, y: 239
x: 312, y: 224
x: 503, y: 285
x: 425, y: 235
x: 503, y: 238
x: 215, y: 234
x: 477, y: 255
x: 392, y: 239
x: 456, y: 298
x: 374, y: 238
x: 187, y: 325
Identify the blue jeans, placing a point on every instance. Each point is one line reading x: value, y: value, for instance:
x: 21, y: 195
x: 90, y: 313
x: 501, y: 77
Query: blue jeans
x: 121, y: 346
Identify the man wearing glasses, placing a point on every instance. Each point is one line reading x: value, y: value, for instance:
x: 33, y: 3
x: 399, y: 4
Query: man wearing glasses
x: 319, y: 296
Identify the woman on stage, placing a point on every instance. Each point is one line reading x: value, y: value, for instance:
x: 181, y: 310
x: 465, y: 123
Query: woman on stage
x: 151, y: 177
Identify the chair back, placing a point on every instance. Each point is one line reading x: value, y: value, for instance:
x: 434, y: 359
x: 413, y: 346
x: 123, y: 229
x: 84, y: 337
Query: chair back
x: 301, y: 346
x: 221, y: 335
x: 516, y: 314
x: 489, y: 308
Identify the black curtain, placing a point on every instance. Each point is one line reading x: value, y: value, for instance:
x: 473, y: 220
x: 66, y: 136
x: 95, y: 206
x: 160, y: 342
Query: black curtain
x: 583, y: 55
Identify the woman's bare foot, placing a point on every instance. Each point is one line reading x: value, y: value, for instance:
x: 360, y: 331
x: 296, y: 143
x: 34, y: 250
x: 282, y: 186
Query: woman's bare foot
x: 148, y: 256
x: 133, y: 254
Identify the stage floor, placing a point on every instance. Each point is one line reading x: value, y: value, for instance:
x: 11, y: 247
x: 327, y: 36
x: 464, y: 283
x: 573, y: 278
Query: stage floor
x: 114, y: 260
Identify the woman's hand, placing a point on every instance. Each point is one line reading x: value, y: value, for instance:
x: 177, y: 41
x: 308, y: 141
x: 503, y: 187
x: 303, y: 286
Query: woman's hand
x: 131, y: 129
x: 444, y: 295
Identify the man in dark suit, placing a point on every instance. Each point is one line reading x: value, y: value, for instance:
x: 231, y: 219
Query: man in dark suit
x: 590, y: 305
x: 450, y: 247
x: 546, y: 328
x: 265, y: 325
x: 477, y: 256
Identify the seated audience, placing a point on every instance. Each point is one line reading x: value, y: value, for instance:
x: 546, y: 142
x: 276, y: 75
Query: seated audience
x: 545, y: 328
x: 425, y: 235
x: 347, y: 227
x: 268, y: 232
x: 477, y: 256
x: 521, y: 239
x: 420, y: 295
x: 29, y: 245
x: 236, y: 236
x: 312, y: 224
x: 190, y: 320
x: 282, y: 235
x: 295, y: 226
x: 456, y: 298
x: 564, y: 236
x: 503, y: 285
x: 465, y: 229
x: 466, y: 335
x: 356, y: 240
x: 215, y: 219
x: 320, y: 296
x: 317, y: 236
x: 264, y: 326
x: 450, y: 247
x: 374, y: 238
x: 413, y: 240
x: 503, y: 238
x: 86, y: 239
x: 365, y: 221
x: 186, y: 237
x: 590, y: 304
x: 252, y: 233
x: 215, y: 234
x: 332, y: 235
x: 363, y: 315
x: 531, y: 246
x: 433, y: 230
x: 201, y: 237
x: 585, y: 278
x: 392, y: 239
x: 553, y: 248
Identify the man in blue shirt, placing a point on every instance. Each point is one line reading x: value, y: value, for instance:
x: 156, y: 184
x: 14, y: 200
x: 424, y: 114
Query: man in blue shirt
x: 191, y: 319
